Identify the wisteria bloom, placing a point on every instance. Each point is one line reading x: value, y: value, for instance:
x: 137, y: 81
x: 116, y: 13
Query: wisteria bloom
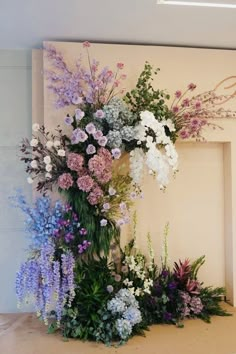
x: 75, y: 161
x: 65, y: 181
x: 85, y: 183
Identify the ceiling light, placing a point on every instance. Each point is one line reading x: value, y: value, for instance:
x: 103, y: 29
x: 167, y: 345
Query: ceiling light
x: 197, y: 3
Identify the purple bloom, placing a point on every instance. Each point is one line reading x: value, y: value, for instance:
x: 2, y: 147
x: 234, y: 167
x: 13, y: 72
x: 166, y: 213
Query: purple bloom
x: 98, y: 134
x: 68, y: 120
x: 116, y: 153
x: 90, y: 128
x: 102, y: 141
x: 79, y: 114
x: 90, y: 150
x: 78, y: 136
x: 83, y: 231
x: 172, y: 285
x: 167, y: 316
x: 99, y: 114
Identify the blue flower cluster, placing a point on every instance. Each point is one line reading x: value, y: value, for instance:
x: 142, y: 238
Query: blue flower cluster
x: 120, y: 120
x: 126, y: 308
x: 41, y: 220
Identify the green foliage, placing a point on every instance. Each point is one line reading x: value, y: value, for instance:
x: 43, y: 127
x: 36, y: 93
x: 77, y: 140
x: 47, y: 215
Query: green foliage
x: 145, y: 97
x: 84, y: 317
x: 100, y: 237
x: 196, y: 265
x: 211, y: 299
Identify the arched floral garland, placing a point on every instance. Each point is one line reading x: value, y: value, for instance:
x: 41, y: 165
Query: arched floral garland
x: 68, y: 269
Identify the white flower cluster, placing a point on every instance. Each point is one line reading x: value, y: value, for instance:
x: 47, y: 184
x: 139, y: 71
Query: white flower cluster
x: 161, y: 156
x: 126, y: 307
x: 137, y: 267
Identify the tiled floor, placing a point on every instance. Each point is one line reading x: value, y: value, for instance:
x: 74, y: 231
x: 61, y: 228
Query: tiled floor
x: 24, y: 334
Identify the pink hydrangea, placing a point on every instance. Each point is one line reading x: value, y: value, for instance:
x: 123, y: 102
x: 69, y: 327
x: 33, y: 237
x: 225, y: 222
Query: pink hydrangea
x: 85, y: 183
x: 104, y: 177
x: 96, y: 165
x: 65, y: 181
x: 95, y: 195
x: 106, y: 155
x: 75, y: 161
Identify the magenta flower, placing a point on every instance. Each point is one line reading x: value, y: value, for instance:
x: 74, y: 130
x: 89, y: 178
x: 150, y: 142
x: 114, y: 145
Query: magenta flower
x: 198, y: 105
x: 186, y: 115
x: 185, y: 102
x: 184, y: 134
x: 195, y: 122
x: 99, y: 114
x: 120, y: 65
x: 75, y: 161
x: 65, y: 181
x: 85, y: 183
x: 86, y: 44
x: 192, y: 86
x: 175, y: 109
x: 90, y: 150
x: 178, y: 94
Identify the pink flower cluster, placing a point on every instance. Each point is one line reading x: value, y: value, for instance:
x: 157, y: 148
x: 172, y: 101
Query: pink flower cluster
x: 100, y: 166
x: 75, y: 162
x: 65, y: 181
x: 91, y: 179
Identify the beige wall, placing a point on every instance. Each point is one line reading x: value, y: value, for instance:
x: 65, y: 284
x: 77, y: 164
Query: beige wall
x: 15, y: 108
x: 200, y: 204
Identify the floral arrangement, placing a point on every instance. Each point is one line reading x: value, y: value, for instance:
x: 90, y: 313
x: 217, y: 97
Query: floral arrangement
x: 76, y: 271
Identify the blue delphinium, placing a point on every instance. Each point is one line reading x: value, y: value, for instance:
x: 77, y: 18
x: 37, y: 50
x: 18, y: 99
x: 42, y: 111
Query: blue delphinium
x: 41, y: 220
